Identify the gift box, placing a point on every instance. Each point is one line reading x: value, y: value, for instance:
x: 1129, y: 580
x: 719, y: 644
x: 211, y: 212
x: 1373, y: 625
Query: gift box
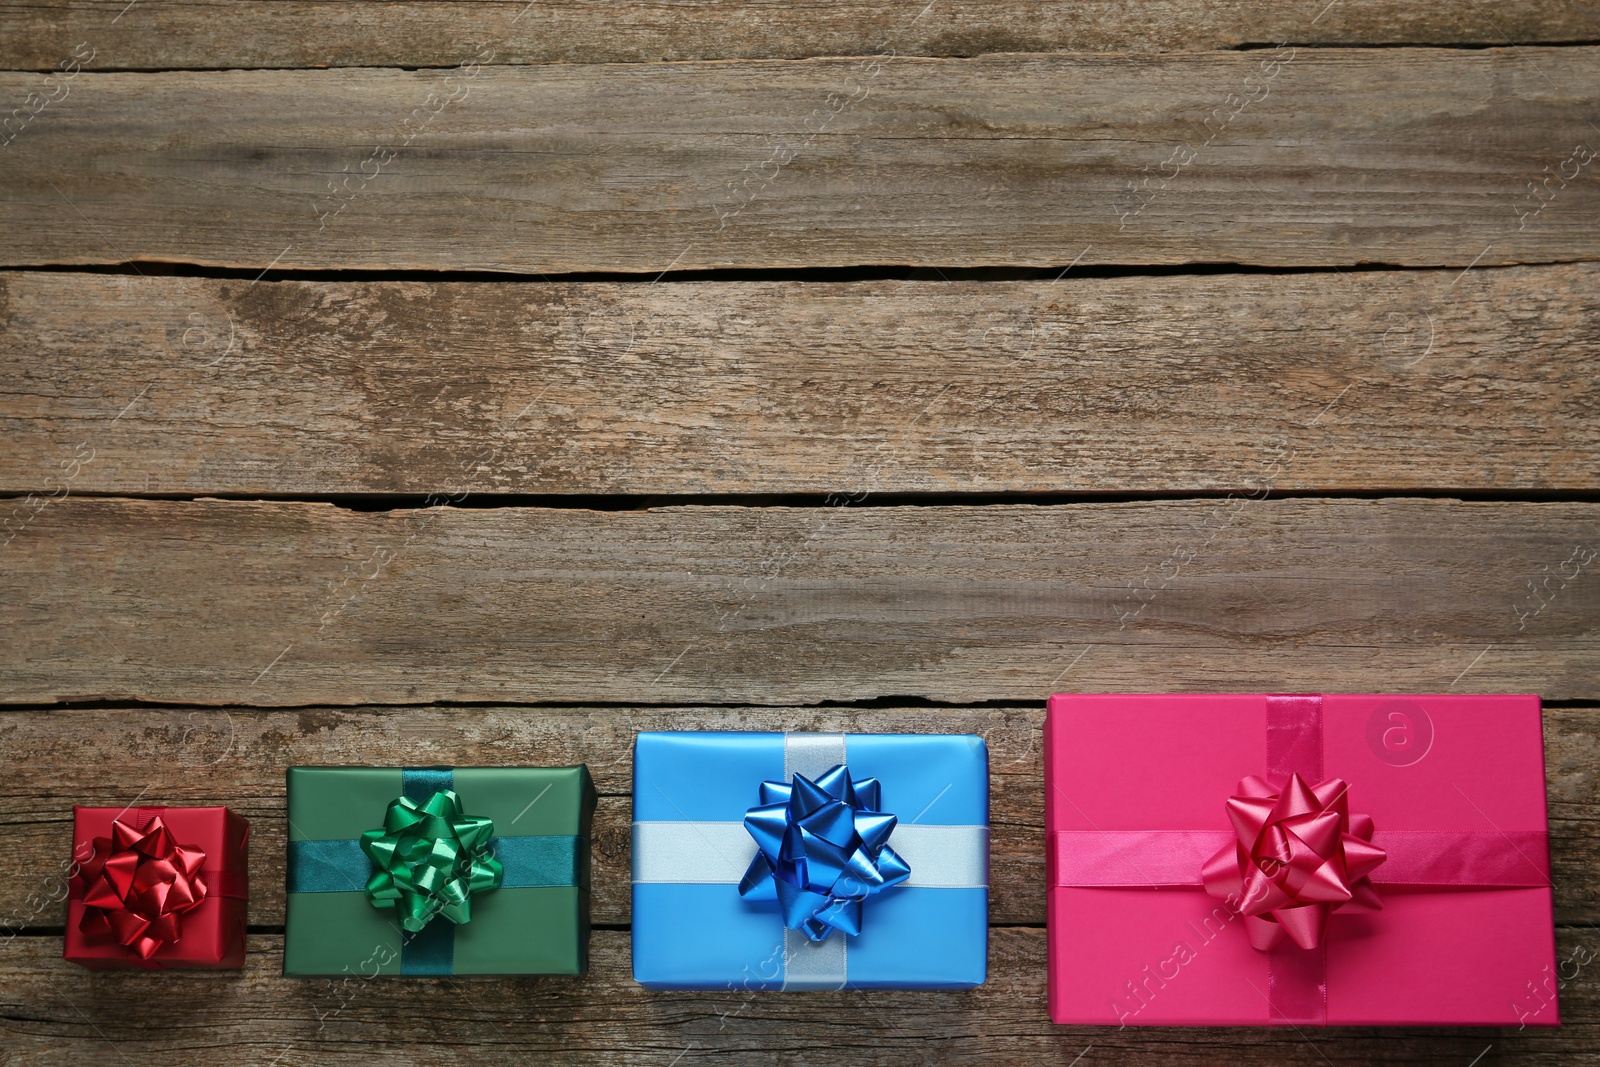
x: 157, y: 888
x: 1257, y: 860
x: 793, y: 861
x: 429, y: 871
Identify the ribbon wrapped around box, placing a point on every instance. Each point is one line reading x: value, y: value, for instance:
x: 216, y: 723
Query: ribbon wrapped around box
x: 155, y: 888
x: 768, y: 861
x: 438, y: 870
x: 1298, y: 859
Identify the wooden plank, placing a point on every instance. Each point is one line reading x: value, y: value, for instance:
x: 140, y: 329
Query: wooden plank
x: 52, y: 1009
x: 218, y: 602
x: 236, y: 756
x: 1376, y: 380
x: 1420, y: 157
x: 162, y: 35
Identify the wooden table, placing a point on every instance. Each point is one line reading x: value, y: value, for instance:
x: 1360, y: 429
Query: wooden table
x: 482, y: 382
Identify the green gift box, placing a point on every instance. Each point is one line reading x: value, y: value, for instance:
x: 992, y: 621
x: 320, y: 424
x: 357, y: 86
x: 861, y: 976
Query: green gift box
x: 534, y: 919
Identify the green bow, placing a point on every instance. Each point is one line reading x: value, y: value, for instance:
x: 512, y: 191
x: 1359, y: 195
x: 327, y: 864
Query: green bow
x: 429, y: 859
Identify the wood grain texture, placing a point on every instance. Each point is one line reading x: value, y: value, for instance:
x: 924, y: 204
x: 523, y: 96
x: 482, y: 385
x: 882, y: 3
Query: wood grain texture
x: 49, y: 1008
x: 674, y: 135
x: 236, y: 757
x: 260, y: 603
x: 1377, y: 380
x: 163, y: 34
x: 1420, y: 157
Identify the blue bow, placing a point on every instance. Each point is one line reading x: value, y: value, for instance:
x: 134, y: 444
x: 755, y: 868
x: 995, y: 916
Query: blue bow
x: 824, y: 849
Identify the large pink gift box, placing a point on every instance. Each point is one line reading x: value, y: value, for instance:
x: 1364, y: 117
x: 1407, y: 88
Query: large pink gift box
x: 1336, y: 859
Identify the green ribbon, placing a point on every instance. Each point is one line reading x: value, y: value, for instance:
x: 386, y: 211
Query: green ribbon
x: 429, y: 859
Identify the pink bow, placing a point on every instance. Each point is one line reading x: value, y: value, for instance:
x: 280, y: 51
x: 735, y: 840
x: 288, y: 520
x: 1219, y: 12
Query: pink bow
x: 1299, y: 856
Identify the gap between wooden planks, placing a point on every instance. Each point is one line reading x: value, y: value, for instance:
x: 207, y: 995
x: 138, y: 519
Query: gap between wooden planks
x: 1338, y: 380
x: 252, y: 602
x: 1415, y: 157
x: 158, y: 35
x: 237, y: 757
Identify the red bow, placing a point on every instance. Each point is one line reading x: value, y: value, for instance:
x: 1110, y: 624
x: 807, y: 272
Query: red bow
x: 137, y: 883
x: 1300, y: 855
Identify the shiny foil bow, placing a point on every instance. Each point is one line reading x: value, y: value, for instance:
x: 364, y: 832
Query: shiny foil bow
x: 429, y: 859
x: 1299, y: 856
x: 136, y: 885
x: 824, y: 850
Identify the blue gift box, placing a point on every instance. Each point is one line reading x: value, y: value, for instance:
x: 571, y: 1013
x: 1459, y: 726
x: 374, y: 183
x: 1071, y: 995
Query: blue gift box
x: 693, y: 930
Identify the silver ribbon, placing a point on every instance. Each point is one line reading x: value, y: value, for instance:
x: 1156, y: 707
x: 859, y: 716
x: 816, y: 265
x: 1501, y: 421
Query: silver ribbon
x: 718, y: 853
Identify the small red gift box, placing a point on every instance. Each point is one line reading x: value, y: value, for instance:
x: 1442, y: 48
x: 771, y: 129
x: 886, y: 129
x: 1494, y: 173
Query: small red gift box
x: 157, y: 888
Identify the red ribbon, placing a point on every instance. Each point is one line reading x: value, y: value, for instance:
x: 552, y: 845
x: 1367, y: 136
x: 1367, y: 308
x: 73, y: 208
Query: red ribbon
x: 1309, y: 869
x: 137, y: 884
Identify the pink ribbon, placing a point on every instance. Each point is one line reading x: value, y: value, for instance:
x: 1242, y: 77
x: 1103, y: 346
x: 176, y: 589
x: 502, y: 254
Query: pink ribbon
x: 1295, y: 855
